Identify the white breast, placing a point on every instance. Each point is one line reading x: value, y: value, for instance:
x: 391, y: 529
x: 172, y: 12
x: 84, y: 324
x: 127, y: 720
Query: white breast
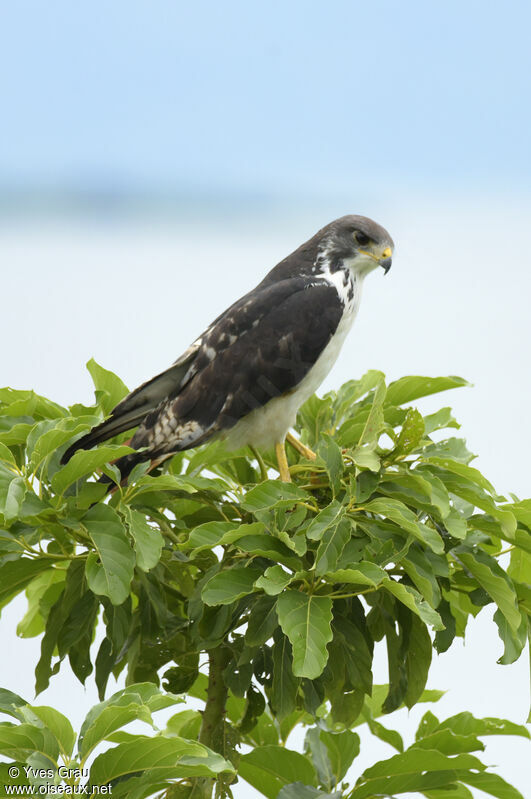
x: 268, y: 425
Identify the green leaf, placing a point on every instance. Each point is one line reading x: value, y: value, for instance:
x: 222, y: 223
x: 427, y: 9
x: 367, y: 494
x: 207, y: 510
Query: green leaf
x: 12, y: 491
x: 254, y: 709
x: 373, y: 425
x: 407, y: 389
x: 414, y: 770
x: 112, y: 387
x: 342, y: 748
x: 11, y: 502
x: 285, y: 685
x: 490, y: 783
x: 211, y: 534
x: 306, y: 621
x: 137, y: 701
x: 471, y: 492
x: 410, y: 435
x: 274, y: 580
x: 351, y: 658
x: 10, y: 546
x: 273, y: 494
x: 439, y: 420
x: 270, y: 768
x: 520, y: 565
x: 296, y: 542
x: 6, y: 455
x: 229, y: 585
x: 148, y: 485
x: 514, y: 642
x: 466, y: 724
x: 522, y: 511
x: 428, y: 724
x: 414, y: 760
x: 331, y: 546
x: 453, y: 790
x: 10, y: 702
x: 346, y: 708
x: 413, y: 490
x: 84, y: 462
x: 183, y: 722
x: 148, y: 540
x: 117, y: 623
x: 439, y: 494
x: 268, y: 547
x: 59, y: 614
x: 391, y: 737
x: 329, y: 454
x: 13, y: 432
x: 20, y: 402
x: 461, y: 469
x: 420, y: 571
x: 317, y: 751
x: 22, y: 741
x: 314, y: 416
x: 401, y: 515
x: 326, y: 518
x: 109, y: 570
x: 15, y: 575
x: 111, y: 718
x: 456, y: 525
x: 453, y: 448
x: 351, y: 391
x: 418, y: 661
x: 364, y: 573
x: 171, y: 757
x: 58, y: 725
x: 53, y: 435
x: 263, y: 621
x: 495, y: 582
x: 366, y: 458
x: 414, y: 601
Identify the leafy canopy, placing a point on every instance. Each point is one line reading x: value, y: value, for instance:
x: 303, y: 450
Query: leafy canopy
x: 391, y: 536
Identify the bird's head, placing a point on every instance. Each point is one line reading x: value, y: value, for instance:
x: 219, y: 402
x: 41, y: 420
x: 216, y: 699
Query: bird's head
x: 358, y: 243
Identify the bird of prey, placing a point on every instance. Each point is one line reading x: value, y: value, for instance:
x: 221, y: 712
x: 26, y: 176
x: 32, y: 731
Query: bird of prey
x: 247, y: 375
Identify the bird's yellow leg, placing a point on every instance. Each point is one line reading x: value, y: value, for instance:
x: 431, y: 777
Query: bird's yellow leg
x: 282, y: 461
x: 306, y: 452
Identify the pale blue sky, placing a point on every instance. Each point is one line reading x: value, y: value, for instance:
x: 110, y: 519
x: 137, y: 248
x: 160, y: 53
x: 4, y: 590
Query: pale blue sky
x: 281, y: 96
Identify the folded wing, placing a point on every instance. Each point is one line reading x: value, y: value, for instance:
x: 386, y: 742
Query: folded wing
x: 260, y: 348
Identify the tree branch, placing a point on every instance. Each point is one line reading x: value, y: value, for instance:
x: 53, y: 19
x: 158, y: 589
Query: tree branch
x: 211, y: 733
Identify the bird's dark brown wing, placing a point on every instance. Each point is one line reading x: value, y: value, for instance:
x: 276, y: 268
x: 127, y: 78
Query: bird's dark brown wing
x: 259, y: 348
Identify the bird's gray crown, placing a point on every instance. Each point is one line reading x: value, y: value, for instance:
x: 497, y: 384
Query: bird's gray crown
x: 341, y: 232
x: 339, y: 240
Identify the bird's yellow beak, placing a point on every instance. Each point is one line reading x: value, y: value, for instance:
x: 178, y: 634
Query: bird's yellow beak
x: 384, y: 258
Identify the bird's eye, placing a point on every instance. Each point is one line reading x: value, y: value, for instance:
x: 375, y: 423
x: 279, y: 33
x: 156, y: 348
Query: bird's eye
x: 362, y: 239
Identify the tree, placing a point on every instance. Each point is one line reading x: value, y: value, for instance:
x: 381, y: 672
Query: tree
x: 390, y: 535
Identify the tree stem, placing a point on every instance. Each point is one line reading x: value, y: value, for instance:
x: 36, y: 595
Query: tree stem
x: 211, y: 732
x: 214, y: 712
